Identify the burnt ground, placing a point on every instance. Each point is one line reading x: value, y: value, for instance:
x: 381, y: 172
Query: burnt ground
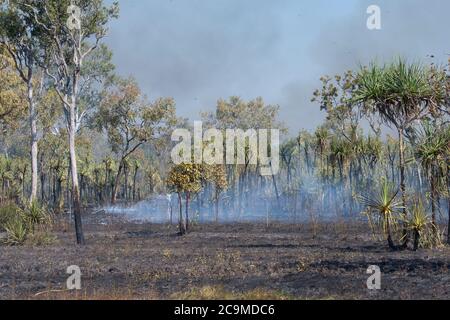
x: 125, y: 260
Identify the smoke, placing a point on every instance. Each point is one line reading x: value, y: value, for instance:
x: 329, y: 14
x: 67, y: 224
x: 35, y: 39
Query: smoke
x: 415, y: 29
x: 199, y: 50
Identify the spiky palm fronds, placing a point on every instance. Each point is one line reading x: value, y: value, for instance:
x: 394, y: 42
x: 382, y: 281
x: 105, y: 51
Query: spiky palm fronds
x: 36, y: 214
x: 420, y: 224
x: 383, y: 208
x: 432, y: 144
x: 17, y: 230
x: 400, y: 92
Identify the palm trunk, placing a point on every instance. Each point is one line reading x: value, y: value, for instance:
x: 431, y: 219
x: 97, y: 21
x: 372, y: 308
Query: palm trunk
x: 416, y: 240
x: 402, y: 184
x: 389, y: 237
x: 433, y: 202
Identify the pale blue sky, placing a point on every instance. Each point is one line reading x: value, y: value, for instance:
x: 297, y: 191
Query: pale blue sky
x: 198, y: 51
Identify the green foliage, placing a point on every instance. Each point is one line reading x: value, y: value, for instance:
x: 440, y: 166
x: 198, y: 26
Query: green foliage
x: 129, y: 120
x: 7, y: 212
x: 382, y: 208
x: 17, y: 230
x: 21, y: 224
x: 185, y: 177
x: 35, y: 214
x: 432, y: 145
x: 400, y: 92
x: 422, y: 227
x: 12, y: 93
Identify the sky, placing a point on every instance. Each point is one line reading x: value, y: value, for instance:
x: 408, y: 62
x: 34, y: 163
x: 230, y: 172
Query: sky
x: 198, y: 51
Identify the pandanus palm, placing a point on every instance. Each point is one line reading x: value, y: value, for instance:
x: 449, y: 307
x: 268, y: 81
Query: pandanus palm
x: 401, y: 94
x: 418, y: 223
x: 382, y: 209
x: 432, y: 145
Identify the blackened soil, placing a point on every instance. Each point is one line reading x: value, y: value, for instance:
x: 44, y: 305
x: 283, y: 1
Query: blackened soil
x: 125, y: 260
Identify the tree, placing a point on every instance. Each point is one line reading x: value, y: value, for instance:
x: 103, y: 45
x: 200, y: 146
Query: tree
x: 12, y: 93
x: 432, y: 145
x: 235, y: 113
x: 184, y: 179
x: 130, y: 121
x: 216, y: 175
x: 67, y: 47
x: 400, y: 94
x: 382, y: 208
x: 20, y: 37
x: 287, y: 152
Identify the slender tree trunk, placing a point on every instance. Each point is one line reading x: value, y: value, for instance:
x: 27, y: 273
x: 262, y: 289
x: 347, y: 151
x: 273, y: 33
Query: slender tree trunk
x: 134, y: 182
x: 416, y: 240
x: 186, y: 221
x: 42, y: 186
x: 116, y: 184
x: 389, y: 237
x: 274, y: 181
x: 43, y: 176
x: 433, y: 202
x: 170, y: 211
x: 403, y: 184
x: 217, y: 206
x: 34, y: 142
x: 448, y: 204
x: 125, y: 183
x: 23, y: 184
x: 180, y: 221
x: 76, y: 203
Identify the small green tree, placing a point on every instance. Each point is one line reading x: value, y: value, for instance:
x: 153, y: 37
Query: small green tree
x: 185, y: 179
x: 382, y: 210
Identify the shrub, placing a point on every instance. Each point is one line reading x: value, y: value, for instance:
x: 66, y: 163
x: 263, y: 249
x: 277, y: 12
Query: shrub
x: 35, y: 214
x: 20, y: 224
x: 382, y: 210
x: 41, y: 238
x: 7, y: 212
x: 16, y: 230
x: 421, y: 225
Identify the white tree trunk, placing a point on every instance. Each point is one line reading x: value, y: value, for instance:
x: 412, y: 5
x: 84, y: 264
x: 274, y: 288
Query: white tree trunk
x: 76, y: 201
x: 34, y: 142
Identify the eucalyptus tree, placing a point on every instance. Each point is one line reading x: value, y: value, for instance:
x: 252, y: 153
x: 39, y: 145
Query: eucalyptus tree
x: 130, y: 121
x: 400, y: 94
x: 12, y: 94
x: 236, y: 113
x: 20, y: 36
x: 72, y: 30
